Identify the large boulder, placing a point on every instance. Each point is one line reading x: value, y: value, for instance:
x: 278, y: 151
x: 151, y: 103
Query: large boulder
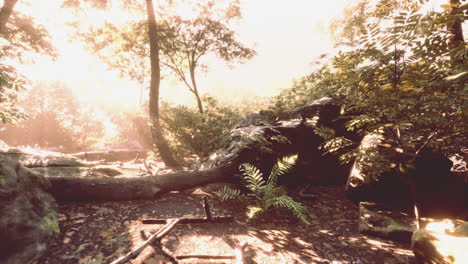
x: 372, y: 177
x: 28, y: 213
x: 377, y: 176
x: 381, y: 221
x: 439, y: 192
x: 30, y: 157
x: 260, y: 139
x: 114, y: 155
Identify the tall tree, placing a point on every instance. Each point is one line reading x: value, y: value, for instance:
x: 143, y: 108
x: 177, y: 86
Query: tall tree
x: 158, y: 137
x: 187, y: 41
x: 183, y: 43
x: 5, y: 12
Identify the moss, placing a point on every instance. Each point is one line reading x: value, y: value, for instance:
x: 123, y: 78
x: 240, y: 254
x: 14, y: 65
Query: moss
x: 50, y: 222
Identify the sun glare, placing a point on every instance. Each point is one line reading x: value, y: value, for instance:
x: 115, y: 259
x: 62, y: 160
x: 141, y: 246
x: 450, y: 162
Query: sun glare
x: 284, y: 35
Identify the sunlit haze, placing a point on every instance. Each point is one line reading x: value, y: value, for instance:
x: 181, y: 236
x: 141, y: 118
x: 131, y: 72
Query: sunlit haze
x: 287, y: 36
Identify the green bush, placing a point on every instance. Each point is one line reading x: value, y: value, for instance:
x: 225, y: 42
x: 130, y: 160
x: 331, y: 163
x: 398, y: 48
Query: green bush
x: 190, y: 132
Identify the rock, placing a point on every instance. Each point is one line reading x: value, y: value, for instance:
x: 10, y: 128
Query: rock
x: 122, y: 155
x: 263, y: 118
x: 435, y: 247
x: 439, y: 193
x: 40, y: 158
x: 377, y: 220
x: 372, y: 178
x: 96, y: 172
x: 377, y: 177
x: 261, y: 140
x: 28, y: 213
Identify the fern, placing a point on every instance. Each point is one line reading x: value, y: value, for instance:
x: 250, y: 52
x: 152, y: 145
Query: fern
x: 282, y: 166
x: 287, y: 202
x: 266, y: 193
x: 253, y: 177
x: 227, y: 193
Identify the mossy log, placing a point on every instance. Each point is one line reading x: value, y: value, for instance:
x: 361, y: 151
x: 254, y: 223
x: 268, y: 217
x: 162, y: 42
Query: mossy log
x: 68, y: 189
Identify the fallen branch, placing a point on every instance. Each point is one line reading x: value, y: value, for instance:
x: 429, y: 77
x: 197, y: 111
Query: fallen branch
x: 156, y: 236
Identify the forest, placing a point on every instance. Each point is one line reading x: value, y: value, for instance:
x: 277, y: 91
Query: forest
x: 233, y: 131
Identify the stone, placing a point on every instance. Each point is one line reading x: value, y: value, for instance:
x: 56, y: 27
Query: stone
x: 28, y: 213
x: 262, y: 138
x: 115, y: 155
x: 41, y: 158
x: 439, y: 247
x: 96, y: 172
x: 439, y: 192
x: 380, y: 221
x: 376, y: 177
x: 371, y: 177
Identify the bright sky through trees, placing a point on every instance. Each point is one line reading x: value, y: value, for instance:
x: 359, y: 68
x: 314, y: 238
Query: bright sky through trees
x: 288, y: 36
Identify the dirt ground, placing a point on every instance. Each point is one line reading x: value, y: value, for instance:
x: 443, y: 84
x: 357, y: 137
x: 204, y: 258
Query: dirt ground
x: 96, y: 233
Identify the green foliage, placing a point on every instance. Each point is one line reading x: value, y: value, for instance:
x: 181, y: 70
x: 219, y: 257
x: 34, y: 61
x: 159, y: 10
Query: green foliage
x: 183, y: 43
x: 400, y: 74
x: 190, y: 132
x: 56, y: 119
x: 266, y: 193
x: 20, y: 41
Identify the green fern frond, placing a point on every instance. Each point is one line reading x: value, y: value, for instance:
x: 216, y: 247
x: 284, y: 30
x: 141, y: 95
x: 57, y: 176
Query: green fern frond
x: 252, y: 176
x: 295, y: 207
x: 281, y: 167
x: 227, y: 193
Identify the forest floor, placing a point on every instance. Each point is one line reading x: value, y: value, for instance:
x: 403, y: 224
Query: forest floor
x: 97, y: 233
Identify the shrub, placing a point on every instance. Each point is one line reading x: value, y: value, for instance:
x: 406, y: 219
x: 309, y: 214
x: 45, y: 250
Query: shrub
x: 190, y: 132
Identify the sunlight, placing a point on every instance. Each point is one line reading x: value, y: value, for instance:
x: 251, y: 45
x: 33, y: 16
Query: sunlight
x: 283, y: 34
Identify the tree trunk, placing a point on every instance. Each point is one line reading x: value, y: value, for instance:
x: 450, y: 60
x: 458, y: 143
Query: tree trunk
x: 195, y: 89
x: 455, y: 29
x: 71, y: 189
x: 156, y: 131
x: 5, y: 13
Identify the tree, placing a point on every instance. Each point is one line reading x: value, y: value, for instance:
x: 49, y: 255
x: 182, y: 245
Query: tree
x: 20, y: 39
x: 183, y: 43
x: 405, y: 77
x: 5, y: 12
x: 160, y: 142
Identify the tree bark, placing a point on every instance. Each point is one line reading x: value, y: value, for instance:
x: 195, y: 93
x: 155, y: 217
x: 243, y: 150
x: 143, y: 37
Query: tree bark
x: 5, y: 13
x: 156, y: 131
x: 455, y: 29
x: 72, y: 189
x: 195, y: 89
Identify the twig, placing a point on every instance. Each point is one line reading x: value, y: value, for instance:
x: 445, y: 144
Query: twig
x: 165, y: 252
x: 159, y: 247
x: 156, y: 236
x: 204, y: 257
x: 214, y: 220
x: 206, y: 206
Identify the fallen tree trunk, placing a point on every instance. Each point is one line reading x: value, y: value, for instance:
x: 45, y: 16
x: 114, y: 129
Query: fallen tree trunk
x: 259, y: 139
x: 71, y: 189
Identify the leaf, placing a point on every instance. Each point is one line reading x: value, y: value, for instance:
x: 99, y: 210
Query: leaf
x: 327, y: 245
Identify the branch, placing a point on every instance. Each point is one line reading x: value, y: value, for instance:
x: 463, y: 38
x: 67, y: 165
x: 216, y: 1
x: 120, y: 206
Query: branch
x: 156, y: 236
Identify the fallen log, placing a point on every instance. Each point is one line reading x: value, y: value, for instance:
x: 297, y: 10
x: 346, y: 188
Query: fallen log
x: 72, y: 189
x: 259, y: 142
